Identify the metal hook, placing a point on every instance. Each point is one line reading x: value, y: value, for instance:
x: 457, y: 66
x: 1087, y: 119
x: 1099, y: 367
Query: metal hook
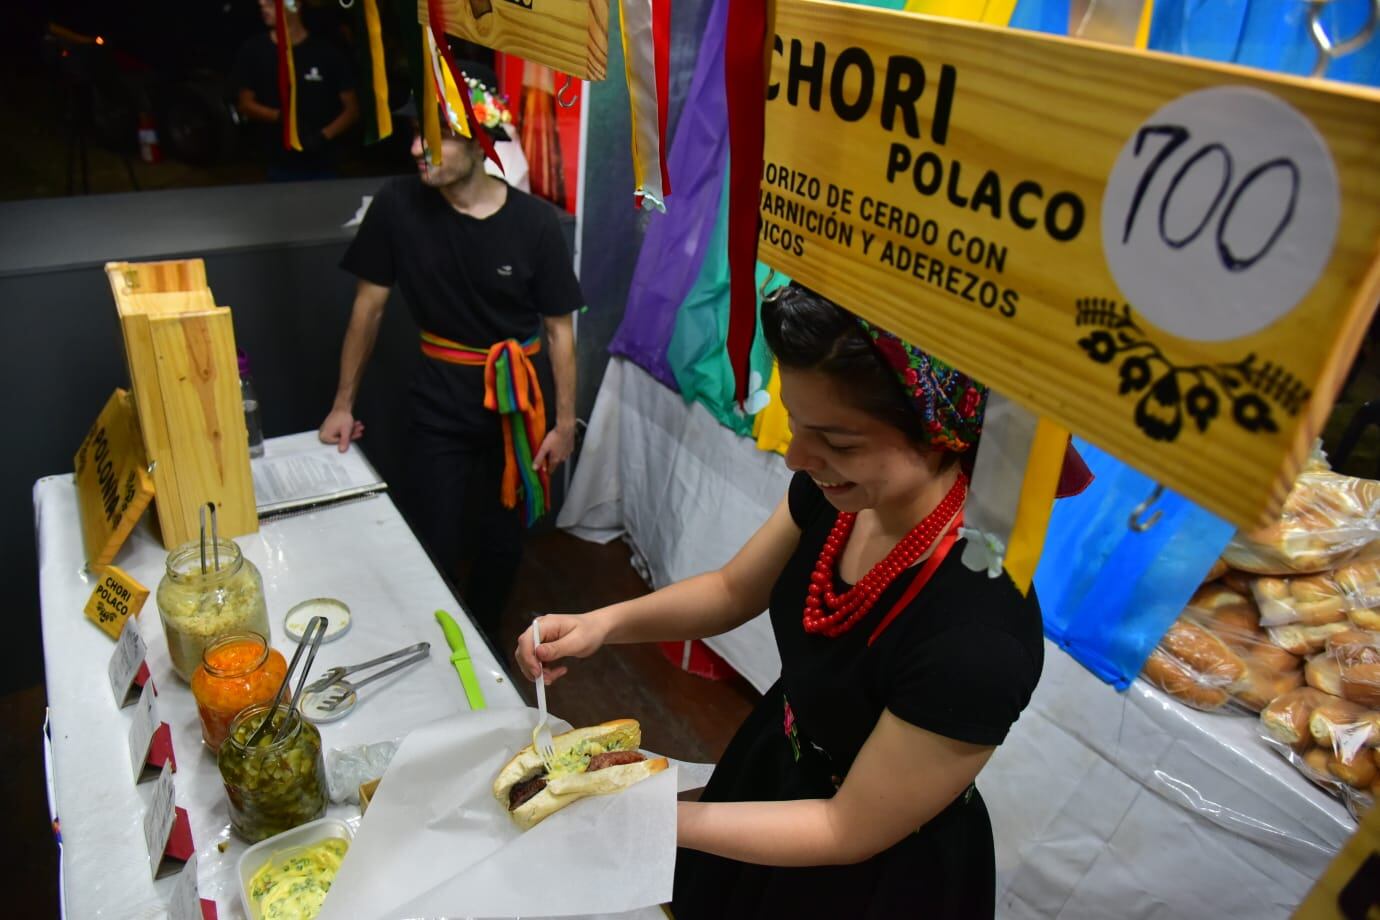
x: 1141, y: 526
x: 771, y: 276
x: 1328, y: 51
x: 346, y: 6
x: 569, y: 102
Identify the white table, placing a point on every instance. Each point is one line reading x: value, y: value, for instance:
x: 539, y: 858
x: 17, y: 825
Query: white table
x: 362, y: 553
x: 1103, y: 804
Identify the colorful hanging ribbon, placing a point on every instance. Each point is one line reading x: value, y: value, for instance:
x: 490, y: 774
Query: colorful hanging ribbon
x: 661, y: 37
x: 640, y: 67
x: 378, y: 123
x: 746, y: 59
x: 512, y: 389
x: 454, y: 78
x: 287, y: 79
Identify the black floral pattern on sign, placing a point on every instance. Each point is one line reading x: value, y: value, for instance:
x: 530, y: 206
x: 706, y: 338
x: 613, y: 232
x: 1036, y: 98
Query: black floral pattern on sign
x: 1249, y: 393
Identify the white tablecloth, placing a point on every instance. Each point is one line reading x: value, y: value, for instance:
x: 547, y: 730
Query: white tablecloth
x: 1103, y: 804
x: 362, y: 553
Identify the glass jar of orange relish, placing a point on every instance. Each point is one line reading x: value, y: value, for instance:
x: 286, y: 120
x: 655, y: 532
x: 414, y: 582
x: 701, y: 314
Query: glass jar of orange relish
x: 237, y: 671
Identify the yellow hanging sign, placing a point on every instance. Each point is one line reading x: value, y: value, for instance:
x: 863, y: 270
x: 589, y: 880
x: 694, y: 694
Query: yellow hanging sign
x: 1173, y: 258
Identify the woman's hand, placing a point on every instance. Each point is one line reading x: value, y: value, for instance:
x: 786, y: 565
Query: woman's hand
x: 562, y: 636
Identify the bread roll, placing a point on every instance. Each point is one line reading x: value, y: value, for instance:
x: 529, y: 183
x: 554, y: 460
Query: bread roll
x: 1219, y: 568
x: 1202, y: 651
x: 1240, y: 582
x: 1360, y: 683
x: 1260, y: 686
x: 567, y: 786
x: 1179, y: 681
x: 1286, y: 717
x: 1304, y: 640
x: 1354, y: 646
x: 1316, y: 760
x: 1323, y: 673
x: 1340, y: 725
x: 1265, y: 654
x: 1360, y: 581
x: 1365, y: 618
x: 1359, y: 772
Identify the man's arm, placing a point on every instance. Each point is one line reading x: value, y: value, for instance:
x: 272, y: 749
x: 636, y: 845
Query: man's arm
x: 254, y: 110
x: 340, y: 426
x: 560, y: 441
x: 349, y: 114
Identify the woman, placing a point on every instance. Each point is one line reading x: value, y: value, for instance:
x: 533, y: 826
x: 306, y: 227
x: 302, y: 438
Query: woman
x: 849, y: 790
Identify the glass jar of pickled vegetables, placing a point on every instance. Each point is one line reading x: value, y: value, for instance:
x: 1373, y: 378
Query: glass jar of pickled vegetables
x: 205, y: 596
x: 272, y: 786
x: 236, y: 671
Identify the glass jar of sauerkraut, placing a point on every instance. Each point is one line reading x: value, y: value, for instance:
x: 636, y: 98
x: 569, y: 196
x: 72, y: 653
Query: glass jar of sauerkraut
x: 200, y: 602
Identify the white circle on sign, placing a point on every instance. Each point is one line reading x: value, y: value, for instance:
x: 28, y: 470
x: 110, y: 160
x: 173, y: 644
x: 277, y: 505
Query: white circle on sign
x: 1220, y: 213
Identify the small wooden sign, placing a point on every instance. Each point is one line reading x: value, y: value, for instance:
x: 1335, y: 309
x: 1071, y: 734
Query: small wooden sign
x: 186, y: 902
x: 117, y: 598
x: 113, y: 482
x: 1173, y: 258
x: 571, y: 36
x: 150, y: 739
x: 128, y: 671
x: 167, y: 831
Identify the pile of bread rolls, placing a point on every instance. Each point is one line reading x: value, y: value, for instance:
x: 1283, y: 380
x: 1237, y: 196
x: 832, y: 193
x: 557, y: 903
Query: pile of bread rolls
x: 1288, y: 625
x: 1216, y: 652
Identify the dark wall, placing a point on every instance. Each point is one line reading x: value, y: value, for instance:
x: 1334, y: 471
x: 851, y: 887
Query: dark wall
x: 64, y: 356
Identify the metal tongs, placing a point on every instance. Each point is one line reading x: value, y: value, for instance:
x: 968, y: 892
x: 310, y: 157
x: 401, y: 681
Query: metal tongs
x: 336, y: 676
x: 312, y: 636
x: 215, y: 537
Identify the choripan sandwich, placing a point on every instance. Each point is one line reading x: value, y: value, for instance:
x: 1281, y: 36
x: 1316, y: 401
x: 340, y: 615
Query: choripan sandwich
x: 589, y: 761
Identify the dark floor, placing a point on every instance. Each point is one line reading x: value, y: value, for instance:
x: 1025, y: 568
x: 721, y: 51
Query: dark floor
x: 682, y: 715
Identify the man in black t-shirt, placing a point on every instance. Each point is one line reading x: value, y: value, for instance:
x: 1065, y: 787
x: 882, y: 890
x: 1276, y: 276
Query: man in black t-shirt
x: 486, y: 273
x: 326, y: 102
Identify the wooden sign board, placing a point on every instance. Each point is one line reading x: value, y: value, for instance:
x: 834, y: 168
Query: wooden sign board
x: 1350, y: 888
x: 571, y: 36
x: 113, y: 482
x: 1172, y: 258
x: 180, y: 348
x: 116, y: 597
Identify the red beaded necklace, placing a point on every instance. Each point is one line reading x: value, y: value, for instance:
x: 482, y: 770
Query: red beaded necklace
x: 832, y: 614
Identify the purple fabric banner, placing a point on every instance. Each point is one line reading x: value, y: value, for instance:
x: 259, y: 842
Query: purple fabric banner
x: 674, y: 246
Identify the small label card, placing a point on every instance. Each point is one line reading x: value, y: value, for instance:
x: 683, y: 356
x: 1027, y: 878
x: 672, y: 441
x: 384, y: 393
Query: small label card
x: 150, y: 739
x: 167, y: 832
x: 186, y: 902
x: 117, y: 598
x: 128, y: 672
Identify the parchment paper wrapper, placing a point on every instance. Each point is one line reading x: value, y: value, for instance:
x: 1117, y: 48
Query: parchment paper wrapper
x: 436, y: 843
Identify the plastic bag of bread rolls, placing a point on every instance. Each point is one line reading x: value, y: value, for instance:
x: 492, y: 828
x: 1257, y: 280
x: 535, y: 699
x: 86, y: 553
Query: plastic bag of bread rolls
x: 1313, y: 600
x: 1328, y: 519
x: 1333, y: 742
x: 1354, y: 655
x: 1216, y: 653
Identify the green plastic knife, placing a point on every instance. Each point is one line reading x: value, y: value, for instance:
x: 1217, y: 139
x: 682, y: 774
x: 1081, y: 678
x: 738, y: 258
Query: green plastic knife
x: 460, y: 657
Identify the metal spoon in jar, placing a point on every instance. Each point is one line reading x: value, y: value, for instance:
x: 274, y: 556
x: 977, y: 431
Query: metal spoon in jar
x: 311, y: 636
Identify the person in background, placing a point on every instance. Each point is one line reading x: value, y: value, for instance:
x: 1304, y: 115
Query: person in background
x: 327, y: 106
x: 485, y: 271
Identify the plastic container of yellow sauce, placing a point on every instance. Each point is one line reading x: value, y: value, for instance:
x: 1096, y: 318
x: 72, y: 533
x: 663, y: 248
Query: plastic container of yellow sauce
x: 287, y: 877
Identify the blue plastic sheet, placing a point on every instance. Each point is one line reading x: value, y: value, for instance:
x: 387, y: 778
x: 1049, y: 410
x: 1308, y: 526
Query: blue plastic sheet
x: 1271, y: 34
x: 1108, y: 593
x: 1050, y: 16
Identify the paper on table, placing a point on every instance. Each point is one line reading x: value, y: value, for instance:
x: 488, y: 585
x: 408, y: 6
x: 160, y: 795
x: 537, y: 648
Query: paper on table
x: 294, y: 476
x: 436, y: 843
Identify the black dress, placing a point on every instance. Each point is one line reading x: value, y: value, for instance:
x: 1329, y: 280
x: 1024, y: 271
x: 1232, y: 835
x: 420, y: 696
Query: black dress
x: 961, y: 661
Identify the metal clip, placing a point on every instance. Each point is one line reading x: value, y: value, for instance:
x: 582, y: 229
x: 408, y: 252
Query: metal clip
x: 1328, y: 50
x: 1141, y: 526
x: 569, y: 102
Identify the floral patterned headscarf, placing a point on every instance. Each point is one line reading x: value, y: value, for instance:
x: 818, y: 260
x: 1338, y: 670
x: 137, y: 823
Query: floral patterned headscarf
x: 949, y: 402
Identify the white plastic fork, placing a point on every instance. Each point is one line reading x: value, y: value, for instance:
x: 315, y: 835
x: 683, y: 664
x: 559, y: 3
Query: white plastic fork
x: 541, y: 734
